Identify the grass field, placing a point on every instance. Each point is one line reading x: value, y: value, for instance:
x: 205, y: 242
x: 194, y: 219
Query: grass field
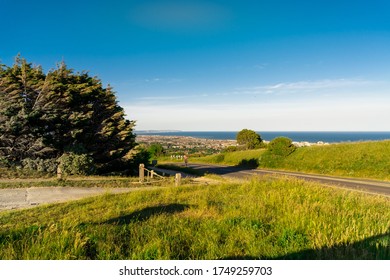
x: 360, y: 159
x: 365, y: 159
x: 257, y: 219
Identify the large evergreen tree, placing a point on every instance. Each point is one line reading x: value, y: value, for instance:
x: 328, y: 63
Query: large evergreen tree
x: 78, y: 114
x: 61, y: 112
x: 19, y: 87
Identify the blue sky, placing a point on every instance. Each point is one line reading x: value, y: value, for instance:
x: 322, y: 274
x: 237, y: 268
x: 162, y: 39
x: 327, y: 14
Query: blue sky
x: 266, y: 65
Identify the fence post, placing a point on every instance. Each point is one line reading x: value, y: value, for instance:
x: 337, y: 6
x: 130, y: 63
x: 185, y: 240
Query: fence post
x: 141, y: 173
x: 59, y: 173
x: 151, y: 174
x: 177, y: 179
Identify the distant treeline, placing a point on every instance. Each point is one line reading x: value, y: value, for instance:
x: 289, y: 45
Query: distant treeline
x: 61, y: 117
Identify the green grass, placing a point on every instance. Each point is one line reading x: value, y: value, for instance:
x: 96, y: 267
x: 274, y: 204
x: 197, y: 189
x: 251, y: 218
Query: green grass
x: 231, y: 158
x: 360, y: 159
x: 365, y: 159
x: 258, y: 219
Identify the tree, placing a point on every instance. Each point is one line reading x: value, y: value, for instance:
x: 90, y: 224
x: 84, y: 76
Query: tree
x: 78, y: 111
x: 156, y: 150
x: 249, y: 138
x: 19, y: 87
x: 45, y: 116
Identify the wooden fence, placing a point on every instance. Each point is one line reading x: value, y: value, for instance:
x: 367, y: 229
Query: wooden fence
x: 150, y: 176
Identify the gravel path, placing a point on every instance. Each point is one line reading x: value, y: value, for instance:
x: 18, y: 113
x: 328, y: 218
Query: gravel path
x: 30, y: 197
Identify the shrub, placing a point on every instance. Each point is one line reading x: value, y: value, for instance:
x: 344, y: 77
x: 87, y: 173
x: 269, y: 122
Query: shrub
x: 40, y: 165
x: 277, y: 150
x: 281, y: 146
x: 249, y: 163
x: 76, y: 164
x: 156, y: 150
x: 230, y: 149
x: 4, y: 162
x: 219, y: 158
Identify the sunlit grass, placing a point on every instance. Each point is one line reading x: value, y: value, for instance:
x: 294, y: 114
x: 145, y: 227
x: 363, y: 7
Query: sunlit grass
x: 365, y: 159
x: 258, y: 219
x: 231, y: 158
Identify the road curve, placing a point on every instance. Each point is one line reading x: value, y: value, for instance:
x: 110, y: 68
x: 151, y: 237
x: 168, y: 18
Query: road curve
x: 362, y: 185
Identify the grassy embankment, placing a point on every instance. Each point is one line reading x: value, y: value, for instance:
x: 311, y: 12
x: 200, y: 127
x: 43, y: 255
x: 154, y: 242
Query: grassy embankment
x: 360, y: 159
x: 238, y: 158
x: 258, y: 219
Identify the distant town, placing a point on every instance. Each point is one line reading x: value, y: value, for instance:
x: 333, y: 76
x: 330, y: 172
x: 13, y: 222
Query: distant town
x: 179, y: 145
x: 186, y: 145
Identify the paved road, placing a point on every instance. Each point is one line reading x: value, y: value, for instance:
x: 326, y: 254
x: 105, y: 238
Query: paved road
x: 369, y: 186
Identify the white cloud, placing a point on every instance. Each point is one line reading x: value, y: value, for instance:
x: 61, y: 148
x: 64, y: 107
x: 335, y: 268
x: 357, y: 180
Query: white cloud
x: 157, y: 99
x: 315, y: 88
x: 307, y: 86
x: 160, y: 98
x: 342, y: 114
x: 331, y: 105
x: 162, y: 80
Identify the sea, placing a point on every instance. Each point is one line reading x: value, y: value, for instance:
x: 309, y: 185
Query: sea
x: 295, y: 136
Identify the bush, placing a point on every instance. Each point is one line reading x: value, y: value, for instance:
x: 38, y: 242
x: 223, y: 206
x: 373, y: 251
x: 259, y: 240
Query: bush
x: 156, y: 150
x: 76, y: 164
x: 277, y: 150
x: 219, y: 158
x: 40, y: 165
x: 281, y: 146
x: 4, y: 162
x: 230, y: 149
x: 249, y: 163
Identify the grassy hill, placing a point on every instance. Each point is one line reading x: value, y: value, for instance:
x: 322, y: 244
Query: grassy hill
x: 360, y: 159
x: 258, y: 219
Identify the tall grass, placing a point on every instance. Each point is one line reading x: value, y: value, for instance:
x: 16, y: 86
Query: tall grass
x: 232, y: 158
x: 365, y: 159
x: 259, y: 219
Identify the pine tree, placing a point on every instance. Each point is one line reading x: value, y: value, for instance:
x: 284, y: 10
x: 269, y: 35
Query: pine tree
x: 19, y: 87
x: 45, y: 116
x: 81, y: 116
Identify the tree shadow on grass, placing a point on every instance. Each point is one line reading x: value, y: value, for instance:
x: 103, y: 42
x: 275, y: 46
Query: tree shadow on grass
x: 373, y: 248
x: 147, y: 213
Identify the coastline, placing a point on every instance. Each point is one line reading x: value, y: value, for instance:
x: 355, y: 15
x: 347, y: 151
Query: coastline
x: 295, y: 136
x: 184, y: 139
x: 191, y: 142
